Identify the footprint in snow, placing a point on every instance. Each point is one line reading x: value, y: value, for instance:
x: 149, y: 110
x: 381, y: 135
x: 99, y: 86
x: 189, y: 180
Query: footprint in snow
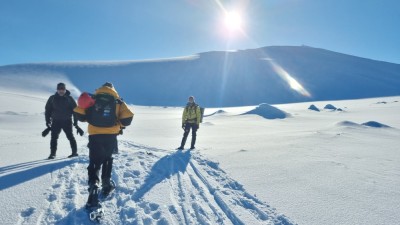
x: 28, y: 212
x: 52, y: 198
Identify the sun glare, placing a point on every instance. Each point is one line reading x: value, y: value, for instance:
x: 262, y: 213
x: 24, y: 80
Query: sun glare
x: 233, y: 21
x: 293, y: 83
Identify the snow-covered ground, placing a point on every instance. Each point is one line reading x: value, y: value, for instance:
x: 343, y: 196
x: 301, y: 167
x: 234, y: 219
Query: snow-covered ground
x: 304, y: 167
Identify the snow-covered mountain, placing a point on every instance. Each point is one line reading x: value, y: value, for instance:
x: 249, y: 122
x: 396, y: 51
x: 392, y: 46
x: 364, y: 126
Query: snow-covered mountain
x: 246, y: 77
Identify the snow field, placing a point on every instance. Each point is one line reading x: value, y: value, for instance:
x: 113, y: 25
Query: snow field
x: 327, y: 167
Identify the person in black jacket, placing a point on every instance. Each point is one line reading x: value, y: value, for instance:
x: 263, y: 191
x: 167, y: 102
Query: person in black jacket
x: 59, y: 110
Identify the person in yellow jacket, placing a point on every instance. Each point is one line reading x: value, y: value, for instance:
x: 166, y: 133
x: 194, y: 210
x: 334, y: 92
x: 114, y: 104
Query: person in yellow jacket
x: 190, y: 120
x: 102, y: 135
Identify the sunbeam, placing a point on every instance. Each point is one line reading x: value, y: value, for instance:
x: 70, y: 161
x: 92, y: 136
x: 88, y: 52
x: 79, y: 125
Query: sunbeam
x: 293, y: 83
x: 234, y: 26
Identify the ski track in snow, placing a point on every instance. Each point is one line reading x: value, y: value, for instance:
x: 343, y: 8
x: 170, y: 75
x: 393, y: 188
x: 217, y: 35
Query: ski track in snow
x: 199, y: 192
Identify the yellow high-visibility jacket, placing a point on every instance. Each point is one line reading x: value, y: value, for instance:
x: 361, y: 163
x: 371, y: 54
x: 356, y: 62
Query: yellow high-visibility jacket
x: 191, y: 114
x: 123, y: 113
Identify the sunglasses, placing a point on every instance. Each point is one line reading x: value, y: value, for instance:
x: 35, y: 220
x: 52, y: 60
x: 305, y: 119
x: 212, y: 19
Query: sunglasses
x: 60, y: 88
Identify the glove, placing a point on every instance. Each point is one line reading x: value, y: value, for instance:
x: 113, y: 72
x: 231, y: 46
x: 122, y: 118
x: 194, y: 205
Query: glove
x: 46, y: 132
x: 183, y: 125
x: 75, y: 124
x: 121, y: 131
x: 197, y: 126
x: 79, y: 130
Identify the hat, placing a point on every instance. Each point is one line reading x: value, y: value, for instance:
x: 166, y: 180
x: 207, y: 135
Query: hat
x: 60, y: 86
x: 108, y: 84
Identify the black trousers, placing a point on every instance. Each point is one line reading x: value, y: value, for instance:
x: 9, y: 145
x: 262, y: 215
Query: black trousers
x: 56, y: 127
x: 101, y: 147
x: 188, y: 127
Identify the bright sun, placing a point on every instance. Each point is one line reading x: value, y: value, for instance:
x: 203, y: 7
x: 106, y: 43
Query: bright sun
x: 233, y: 21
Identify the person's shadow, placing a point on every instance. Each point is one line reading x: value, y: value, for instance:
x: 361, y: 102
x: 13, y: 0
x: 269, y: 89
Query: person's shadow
x: 163, y: 169
x: 23, y: 172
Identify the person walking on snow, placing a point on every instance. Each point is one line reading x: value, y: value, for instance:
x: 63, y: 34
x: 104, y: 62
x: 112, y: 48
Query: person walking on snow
x: 105, y: 113
x: 191, y: 118
x: 58, y: 112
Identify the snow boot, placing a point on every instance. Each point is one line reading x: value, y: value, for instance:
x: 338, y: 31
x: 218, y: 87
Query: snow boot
x: 51, y: 156
x: 93, y: 199
x: 108, y: 186
x: 73, y: 155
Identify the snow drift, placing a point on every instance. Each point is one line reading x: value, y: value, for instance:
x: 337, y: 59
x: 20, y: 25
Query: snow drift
x: 313, y: 107
x: 268, y: 112
x: 218, y: 112
x: 375, y: 124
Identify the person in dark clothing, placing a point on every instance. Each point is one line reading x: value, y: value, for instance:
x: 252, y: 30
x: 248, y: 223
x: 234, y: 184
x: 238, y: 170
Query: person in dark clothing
x: 58, y: 112
x: 190, y: 121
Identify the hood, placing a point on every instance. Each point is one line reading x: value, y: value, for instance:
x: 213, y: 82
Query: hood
x: 107, y: 90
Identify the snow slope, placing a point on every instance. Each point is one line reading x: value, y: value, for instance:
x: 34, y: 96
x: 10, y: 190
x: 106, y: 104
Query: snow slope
x: 327, y: 167
x: 274, y: 75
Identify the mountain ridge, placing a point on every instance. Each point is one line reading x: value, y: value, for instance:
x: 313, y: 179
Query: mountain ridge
x: 272, y: 74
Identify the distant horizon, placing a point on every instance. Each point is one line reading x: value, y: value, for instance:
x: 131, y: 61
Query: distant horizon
x: 183, y: 57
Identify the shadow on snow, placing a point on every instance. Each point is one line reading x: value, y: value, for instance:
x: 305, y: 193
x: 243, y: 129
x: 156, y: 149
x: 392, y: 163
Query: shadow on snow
x: 23, y: 172
x: 164, y: 168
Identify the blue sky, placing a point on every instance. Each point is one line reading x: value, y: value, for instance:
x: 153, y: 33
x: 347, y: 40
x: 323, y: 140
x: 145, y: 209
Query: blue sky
x: 98, y: 30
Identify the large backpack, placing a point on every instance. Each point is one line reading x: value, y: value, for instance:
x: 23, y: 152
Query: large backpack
x: 201, y: 112
x: 103, y: 112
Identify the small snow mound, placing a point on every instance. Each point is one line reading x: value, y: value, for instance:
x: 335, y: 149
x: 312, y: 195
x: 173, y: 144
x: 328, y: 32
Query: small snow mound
x: 215, y: 113
x: 267, y: 111
x: 375, y: 124
x: 314, y: 108
x: 330, y: 106
x: 10, y: 113
x: 347, y: 123
x: 368, y: 124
